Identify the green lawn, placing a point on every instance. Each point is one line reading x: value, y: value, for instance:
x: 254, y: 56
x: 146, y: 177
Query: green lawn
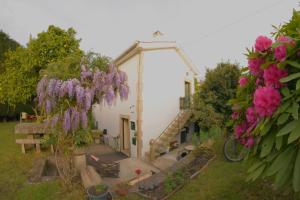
x: 225, y: 180
x: 220, y: 180
x: 14, y: 168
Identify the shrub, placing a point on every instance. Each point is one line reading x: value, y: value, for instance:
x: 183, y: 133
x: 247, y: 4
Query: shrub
x: 266, y: 108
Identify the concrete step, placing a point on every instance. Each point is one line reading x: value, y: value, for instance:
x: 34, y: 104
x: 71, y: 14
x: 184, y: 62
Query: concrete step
x: 90, y: 177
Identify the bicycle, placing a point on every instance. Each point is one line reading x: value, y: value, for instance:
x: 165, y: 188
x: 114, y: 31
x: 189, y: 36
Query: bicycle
x: 233, y: 150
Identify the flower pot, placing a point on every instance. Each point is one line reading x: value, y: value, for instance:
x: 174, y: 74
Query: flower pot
x: 79, y: 158
x: 94, y: 195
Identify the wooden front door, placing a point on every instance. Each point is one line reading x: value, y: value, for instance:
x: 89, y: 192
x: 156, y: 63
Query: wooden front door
x: 125, y: 139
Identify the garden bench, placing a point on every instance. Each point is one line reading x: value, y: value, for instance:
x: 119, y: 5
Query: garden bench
x: 36, y: 142
x: 33, y: 133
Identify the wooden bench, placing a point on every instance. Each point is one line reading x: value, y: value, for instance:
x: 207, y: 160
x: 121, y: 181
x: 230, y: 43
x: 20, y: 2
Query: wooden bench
x: 36, y: 142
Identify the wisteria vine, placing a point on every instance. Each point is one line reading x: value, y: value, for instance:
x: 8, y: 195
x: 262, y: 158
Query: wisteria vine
x: 67, y: 102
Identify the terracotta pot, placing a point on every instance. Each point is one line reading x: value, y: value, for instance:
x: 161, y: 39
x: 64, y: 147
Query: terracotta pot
x: 79, y: 158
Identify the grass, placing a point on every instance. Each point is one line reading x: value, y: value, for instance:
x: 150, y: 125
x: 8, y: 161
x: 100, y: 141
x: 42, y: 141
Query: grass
x: 220, y: 180
x: 226, y: 180
x: 14, y: 168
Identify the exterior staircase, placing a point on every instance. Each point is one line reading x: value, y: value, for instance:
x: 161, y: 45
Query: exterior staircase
x: 161, y: 143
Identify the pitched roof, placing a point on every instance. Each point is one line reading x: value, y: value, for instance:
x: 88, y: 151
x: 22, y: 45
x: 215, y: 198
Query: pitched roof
x: 139, y: 46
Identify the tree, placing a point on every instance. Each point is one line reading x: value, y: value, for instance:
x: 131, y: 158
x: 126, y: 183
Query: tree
x: 22, y: 66
x: 6, y: 44
x: 212, y: 95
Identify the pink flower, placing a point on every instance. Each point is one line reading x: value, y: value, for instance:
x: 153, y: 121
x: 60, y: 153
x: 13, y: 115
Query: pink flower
x: 285, y: 39
x: 280, y: 53
x: 251, y: 115
x: 273, y: 74
x: 250, y: 142
x: 258, y: 82
x: 266, y: 101
x: 254, y: 66
x: 240, y: 129
x: 243, y: 81
x: 235, y: 115
x: 262, y: 43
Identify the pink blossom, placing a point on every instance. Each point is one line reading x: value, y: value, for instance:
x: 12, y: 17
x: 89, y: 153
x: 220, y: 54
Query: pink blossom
x: 285, y: 39
x: 262, y: 43
x: 254, y: 66
x: 243, y: 81
x: 280, y: 53
x: 258, y: 82
x: 240, y: 129
x: 266, y: 101
x: 250, y: 142
x: 251, y: 115
x: 273, y: 74
x: 235, y: 115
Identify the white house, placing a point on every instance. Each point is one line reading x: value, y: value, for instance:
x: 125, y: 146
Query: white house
x: 159, y: 76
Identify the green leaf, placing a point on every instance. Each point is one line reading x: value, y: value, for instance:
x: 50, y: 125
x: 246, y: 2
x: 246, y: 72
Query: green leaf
x: 281, y: 161
x: 254, y: 167
x: 288, y: 128
x: 295, y: 109
x: 255, y: 174
x: 295, y: 134
x: 267, y: 145
x: 278, y: 142
x: 284, y: 106
x: 290, y: 77
x: 293, y: 63
x: 283, y: 176
x: 285, y: 91
x: 298, y: 85
x: 266, y: 127
x: 283, y: 118
x: 296, y: 175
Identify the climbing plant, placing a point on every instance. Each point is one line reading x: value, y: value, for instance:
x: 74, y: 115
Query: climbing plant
x: 266, y: 108
x: 67, y: 102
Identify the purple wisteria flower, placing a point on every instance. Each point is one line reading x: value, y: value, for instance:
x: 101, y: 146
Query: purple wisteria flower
x: 70, y: 88
x: 48, y: 106
x: 87, y: 99
x: 54, y: 120
x: 63, y: 89
x: 51, y: 87
x: 76, y: 96
x: 79, y: 94
x: 57, y: 87
x: 124, y: 90
x: 75, y: 119
x: 84, y: 119
x: 67, y: 121
x: 109, y: 96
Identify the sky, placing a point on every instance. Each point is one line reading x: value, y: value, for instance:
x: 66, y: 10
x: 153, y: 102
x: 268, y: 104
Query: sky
x: 209, y: 31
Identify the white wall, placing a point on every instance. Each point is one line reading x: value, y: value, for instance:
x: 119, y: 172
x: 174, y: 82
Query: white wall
x: 109, y: 117
x: 164, y: 76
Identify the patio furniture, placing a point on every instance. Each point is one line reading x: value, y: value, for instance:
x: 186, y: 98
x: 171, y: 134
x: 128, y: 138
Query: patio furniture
x: 33, y: 133
x: 36, y: 142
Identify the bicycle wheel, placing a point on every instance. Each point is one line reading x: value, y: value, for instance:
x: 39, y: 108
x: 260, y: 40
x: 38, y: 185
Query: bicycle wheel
x: 233, y: 150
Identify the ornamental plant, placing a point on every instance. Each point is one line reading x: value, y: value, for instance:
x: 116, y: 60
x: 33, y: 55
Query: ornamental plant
x: 67, y: 103
x: 266, y: 108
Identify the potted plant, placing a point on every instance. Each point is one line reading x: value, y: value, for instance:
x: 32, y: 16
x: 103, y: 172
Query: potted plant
x: 98, y: 192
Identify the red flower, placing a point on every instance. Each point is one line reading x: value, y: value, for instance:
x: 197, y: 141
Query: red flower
x: 138, y: 171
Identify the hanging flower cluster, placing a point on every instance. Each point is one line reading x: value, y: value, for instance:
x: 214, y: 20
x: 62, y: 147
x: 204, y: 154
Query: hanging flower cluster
x: 69, y: 101
x: 266, y: 67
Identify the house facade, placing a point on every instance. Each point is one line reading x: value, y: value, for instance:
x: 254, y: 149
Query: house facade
x: 161, y: 82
